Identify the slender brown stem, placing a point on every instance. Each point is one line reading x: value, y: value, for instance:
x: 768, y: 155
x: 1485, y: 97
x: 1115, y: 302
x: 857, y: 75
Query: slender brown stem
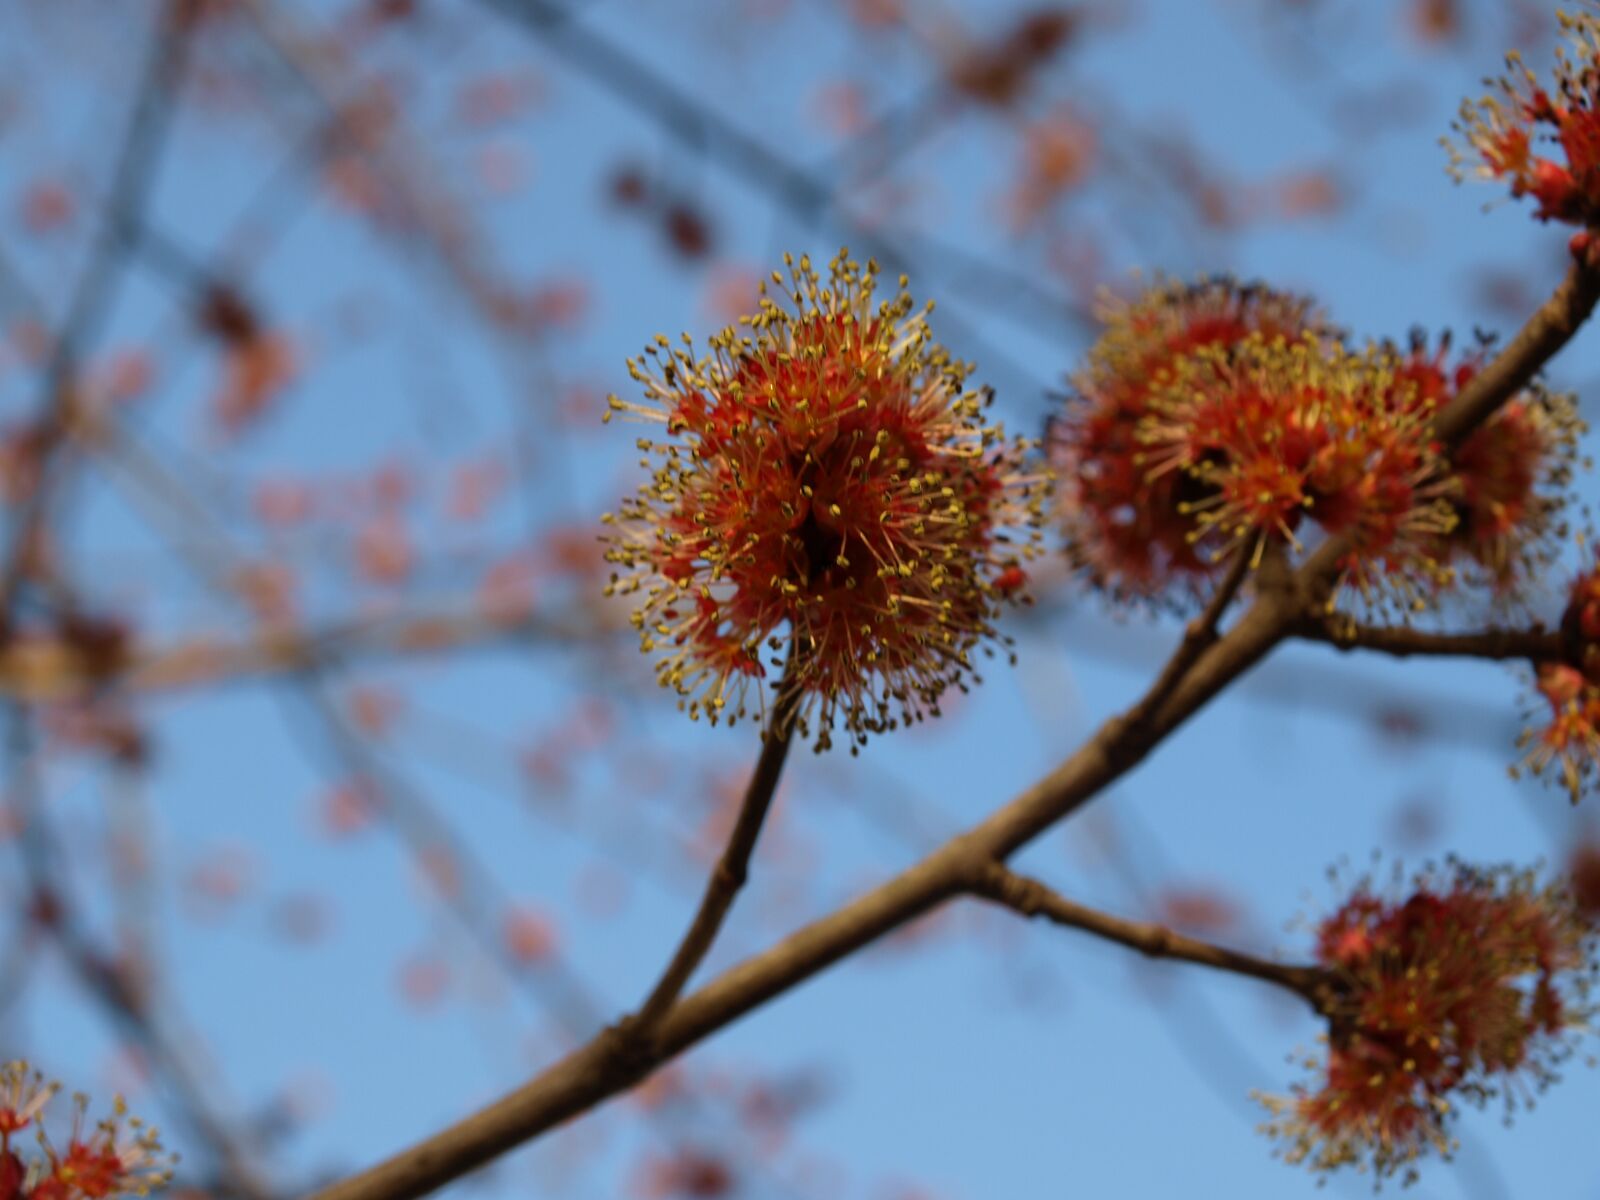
x: 1511, y: 370
x: 1535, y: 644
x: 39, y: 669
x: 617, y: 1058
x: 1029, y: 897
x: 1201, y: 633
x: 729, y: 875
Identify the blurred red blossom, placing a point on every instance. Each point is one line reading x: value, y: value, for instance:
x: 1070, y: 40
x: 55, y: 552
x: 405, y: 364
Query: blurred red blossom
x: 384, y: 554
x: 269, y: 589
x: 507, y: 591
x: 1584, y: 871
x: 997, y: 72
x: 347, y: 807
x: 375, y: 710
x: 1435, y: 20
x: 1307, y: 194
x: 257, y: 365
x: 117, y: 1156
x: 1569, y: 738
x: 474, y: 487
x: 497, y: 98
x: 125, y: 376
x: 688, y: 1174
x: 1197, y: 910
x: 1130, y: 531
x: 837, y: 477
x: 1472, y: 984
x: 219, y: 880
x: 1509, y: 477
x: 530, y: 935
x: 281, y: 503
x: 554, y: 304
x: 1057, y: 155
x: 48, y: 205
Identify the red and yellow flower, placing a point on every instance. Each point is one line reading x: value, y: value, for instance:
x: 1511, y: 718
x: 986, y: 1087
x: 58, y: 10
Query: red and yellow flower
x: 828, y: 493
x: 1511, y: 474
x: 1130, y: 530
x: 117, y: 1156
x: 1470, y: 986
x: 1505, y: 132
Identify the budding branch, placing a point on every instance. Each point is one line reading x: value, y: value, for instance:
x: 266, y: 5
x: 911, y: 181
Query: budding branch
x: 1029, y: 897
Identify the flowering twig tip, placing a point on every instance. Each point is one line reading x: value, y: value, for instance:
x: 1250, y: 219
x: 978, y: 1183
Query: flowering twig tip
x: 832, y: 485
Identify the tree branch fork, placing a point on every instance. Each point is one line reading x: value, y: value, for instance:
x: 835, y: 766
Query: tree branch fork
x: 1286, y: 603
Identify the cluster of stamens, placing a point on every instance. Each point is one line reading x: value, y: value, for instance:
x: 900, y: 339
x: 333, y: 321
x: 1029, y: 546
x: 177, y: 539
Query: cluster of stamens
x: 1129, y: 530
x: 1471, y: 986
x: 1217, y: 419
x: 1511, y: 474
x: 1502, y: 130
x: 117, y: 1156
x: 1273, y: 432
x: 829, y: 500
x: 1567, y: 740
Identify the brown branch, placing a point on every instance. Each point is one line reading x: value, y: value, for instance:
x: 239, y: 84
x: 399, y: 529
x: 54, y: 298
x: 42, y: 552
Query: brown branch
x: 614, y: 1061
x: 1511, y: 370
x: 475, y: 901
x: 1535, y: 644
x: 617, y: 1059
x: 1201, y: 633
x: 734, y: 865
x: 1029, y: 897
x: 1549, y: 329
x: 92, y: 297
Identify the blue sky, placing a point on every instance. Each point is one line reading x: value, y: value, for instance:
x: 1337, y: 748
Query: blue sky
x: 995, y: 1061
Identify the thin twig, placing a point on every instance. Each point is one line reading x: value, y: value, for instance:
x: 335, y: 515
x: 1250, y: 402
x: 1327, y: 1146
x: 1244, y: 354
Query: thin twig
x: 1030, y: 898
x: 1511, y: 370
x: 92, y: 298
x: 475, y: 899
x: 722, y: 888
x: 1535, y: 644
x: 40, y: 669
x: 1201, y: 633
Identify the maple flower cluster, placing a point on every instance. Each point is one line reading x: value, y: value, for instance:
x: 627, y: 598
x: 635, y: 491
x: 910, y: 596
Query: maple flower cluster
x: 1504, y: 130
x: 1128, y: 528
x: 1510, y: 476
x: 828, y: 495
x: 1474, y: 985
x: 1219, y: 418
x: 1569, y: 739
x: 117, y: 1156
